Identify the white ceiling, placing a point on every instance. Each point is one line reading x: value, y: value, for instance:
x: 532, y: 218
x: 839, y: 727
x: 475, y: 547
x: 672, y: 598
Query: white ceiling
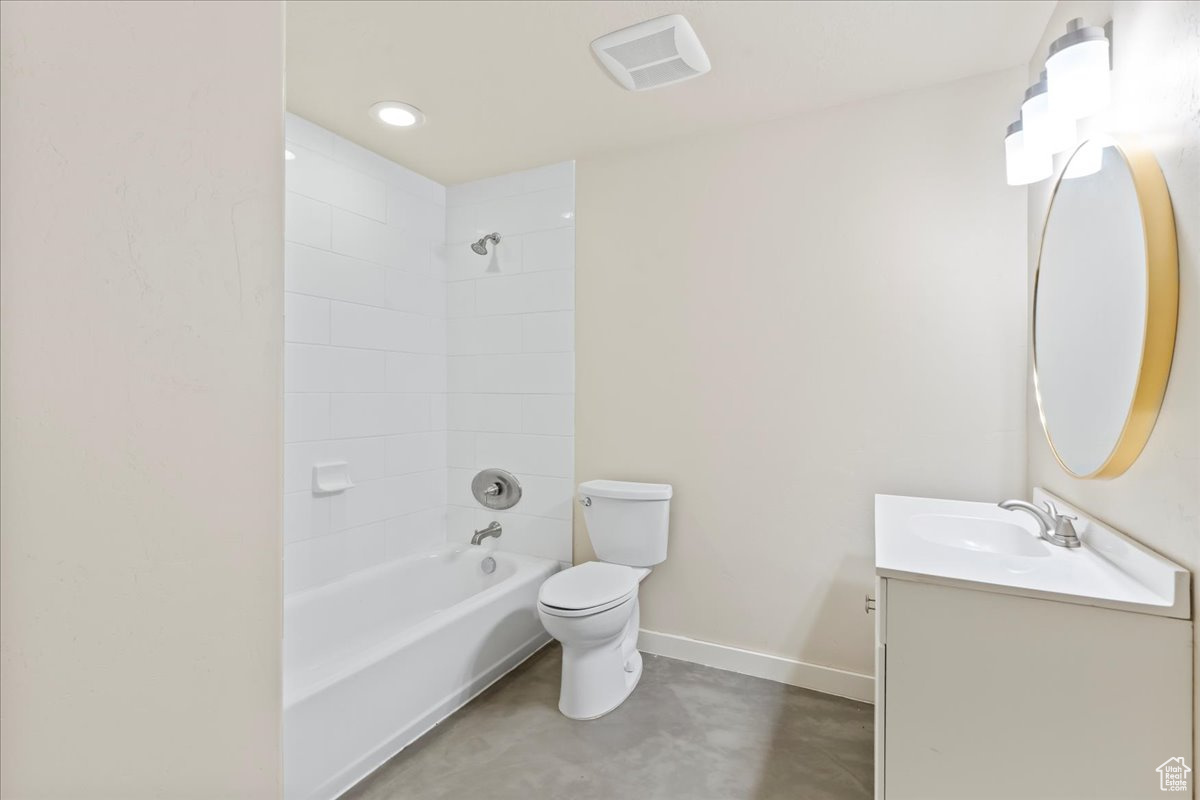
x: 511, y: 85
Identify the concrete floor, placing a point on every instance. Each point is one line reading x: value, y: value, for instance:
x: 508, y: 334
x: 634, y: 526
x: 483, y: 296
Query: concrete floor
x: 686, y: 733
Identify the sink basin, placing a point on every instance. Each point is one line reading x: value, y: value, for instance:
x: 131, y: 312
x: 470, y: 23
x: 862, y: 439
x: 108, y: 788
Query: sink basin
x: 978, y: 535
x: 978, y: 545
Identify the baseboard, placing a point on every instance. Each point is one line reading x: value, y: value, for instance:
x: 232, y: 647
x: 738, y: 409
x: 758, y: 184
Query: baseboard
x: 827, y: 680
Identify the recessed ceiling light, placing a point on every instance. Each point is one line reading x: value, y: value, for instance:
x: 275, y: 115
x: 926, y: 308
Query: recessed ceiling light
x: 397, y: 115
x: 288, y: 155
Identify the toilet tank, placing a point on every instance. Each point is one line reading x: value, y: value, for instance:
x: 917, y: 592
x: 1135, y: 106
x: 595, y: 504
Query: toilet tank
x: 627, y: 522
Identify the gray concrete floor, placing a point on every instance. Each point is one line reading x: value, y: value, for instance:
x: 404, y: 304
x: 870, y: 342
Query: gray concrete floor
x: 686, y: 733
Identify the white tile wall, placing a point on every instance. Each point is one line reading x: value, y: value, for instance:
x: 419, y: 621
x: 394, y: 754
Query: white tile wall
x: 419, y: 362
x: 365, y: 364
x: 510, y: 341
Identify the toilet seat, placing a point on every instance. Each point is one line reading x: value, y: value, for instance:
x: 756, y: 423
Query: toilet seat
x: 589, y: 588
x: 555, y: 611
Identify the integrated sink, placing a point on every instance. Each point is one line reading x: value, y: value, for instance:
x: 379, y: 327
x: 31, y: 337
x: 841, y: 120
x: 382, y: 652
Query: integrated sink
x: 979, y: 545
x: 978, y: 535
x: 970, y: 602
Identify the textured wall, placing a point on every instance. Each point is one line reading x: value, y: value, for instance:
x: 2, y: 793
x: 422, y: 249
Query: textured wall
x: 784, y: 320
x: 141, y: 305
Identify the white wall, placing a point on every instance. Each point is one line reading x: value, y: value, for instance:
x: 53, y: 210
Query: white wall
x: 783, y: 320
x: 511, y: 353
x: 140, y: 309
x: 365, y: 368
x: 1156, y: 96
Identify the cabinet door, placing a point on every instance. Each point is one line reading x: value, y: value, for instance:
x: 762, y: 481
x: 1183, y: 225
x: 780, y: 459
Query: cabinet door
x: 993, y: 697
x: 880, y: 681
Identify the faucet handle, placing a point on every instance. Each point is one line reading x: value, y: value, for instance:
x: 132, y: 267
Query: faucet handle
x: 1053, y: 509
x: 1064, y: 532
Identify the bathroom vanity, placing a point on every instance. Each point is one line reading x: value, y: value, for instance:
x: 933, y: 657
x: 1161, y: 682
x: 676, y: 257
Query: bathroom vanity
x: 1008, y: 667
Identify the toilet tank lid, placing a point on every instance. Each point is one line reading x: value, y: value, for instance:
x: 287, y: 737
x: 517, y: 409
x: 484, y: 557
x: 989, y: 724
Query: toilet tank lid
x: 626, y: 490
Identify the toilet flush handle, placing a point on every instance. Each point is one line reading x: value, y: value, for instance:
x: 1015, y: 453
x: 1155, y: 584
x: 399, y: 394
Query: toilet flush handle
x: 585, y: 501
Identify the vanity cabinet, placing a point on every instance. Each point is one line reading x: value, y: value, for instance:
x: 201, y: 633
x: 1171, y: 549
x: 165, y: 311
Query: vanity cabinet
x: 981, y: 694
x: 1011, y: 668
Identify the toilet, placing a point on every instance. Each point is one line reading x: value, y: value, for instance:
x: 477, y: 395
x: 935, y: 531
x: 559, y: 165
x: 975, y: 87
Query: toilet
x: 592, y: 608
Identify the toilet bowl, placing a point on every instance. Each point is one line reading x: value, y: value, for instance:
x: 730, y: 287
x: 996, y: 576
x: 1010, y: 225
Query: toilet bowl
x: 601, y: 663
x: 592, y: 609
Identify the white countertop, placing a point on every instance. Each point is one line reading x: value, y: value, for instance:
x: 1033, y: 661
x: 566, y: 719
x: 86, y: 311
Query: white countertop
x: 1110, y: 570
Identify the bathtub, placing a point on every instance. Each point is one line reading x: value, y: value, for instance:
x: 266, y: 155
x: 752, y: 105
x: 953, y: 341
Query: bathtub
x: 373, y: 661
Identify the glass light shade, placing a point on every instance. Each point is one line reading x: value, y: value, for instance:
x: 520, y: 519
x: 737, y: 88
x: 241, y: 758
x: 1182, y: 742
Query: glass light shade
x: 1023, y: 165
x: 1087, y: 160
x: 1045, y: 129
x: 1078, y: 78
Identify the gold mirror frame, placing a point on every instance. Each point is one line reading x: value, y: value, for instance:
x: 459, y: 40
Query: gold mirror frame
x: 1162, y: 309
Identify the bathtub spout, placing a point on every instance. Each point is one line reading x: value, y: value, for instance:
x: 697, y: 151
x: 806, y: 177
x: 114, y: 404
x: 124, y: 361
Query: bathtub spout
x: 491, y: 530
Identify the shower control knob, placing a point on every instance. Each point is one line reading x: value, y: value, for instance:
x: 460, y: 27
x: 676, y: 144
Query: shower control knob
x: 497, y: 489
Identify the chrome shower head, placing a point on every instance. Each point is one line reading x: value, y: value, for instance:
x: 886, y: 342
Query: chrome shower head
x: 480, y: 247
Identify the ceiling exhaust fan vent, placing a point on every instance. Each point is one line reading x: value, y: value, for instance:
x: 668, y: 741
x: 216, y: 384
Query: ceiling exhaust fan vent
x: 657, y: 52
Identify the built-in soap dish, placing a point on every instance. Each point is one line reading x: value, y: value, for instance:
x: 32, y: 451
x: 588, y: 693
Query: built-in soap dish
x: 331, y: 477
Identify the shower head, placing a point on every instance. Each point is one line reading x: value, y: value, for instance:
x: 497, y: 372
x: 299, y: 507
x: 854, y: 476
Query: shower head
x: 480, y: 247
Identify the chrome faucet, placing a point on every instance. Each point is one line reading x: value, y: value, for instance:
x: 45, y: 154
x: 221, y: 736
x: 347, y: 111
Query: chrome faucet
x: 491, y: 530
x: 1054, y: 527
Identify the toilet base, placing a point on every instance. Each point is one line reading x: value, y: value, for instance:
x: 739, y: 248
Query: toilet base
x: 596, y: 679
x: 636, y: 676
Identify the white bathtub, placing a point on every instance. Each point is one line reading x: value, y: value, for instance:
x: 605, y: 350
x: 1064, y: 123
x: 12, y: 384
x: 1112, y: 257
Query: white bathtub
x: 372, y: 662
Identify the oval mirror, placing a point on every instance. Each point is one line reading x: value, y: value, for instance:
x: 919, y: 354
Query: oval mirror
x: 1106, y: 297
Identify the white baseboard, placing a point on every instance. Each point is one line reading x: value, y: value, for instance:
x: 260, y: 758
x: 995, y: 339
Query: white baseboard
x: 775, y: 668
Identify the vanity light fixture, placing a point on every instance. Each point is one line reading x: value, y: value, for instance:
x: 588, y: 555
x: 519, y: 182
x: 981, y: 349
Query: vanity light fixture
x: 1087, y: 160
x: 1046, y: 128
x: 1024, y: 165
x: 1078, y: 71
x: 1074, y: 85
x: 397, y: 115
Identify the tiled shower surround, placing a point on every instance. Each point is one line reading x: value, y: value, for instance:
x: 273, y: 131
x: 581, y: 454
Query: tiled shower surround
x: 511, y: 346
x: 376, y: 375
